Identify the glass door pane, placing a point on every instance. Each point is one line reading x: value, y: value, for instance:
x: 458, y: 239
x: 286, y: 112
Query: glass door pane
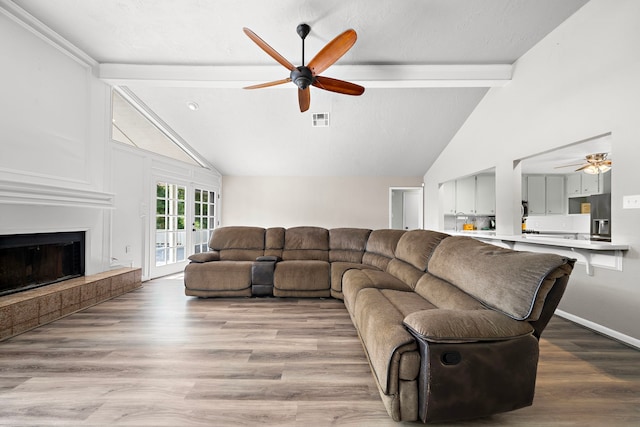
x: 204, y: 219
x: 170, y: 224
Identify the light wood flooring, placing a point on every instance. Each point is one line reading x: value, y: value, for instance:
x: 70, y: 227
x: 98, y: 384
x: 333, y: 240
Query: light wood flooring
x: 154, y: 357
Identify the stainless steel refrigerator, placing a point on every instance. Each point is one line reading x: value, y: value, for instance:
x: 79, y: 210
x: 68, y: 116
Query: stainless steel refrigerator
x: 601, y: 217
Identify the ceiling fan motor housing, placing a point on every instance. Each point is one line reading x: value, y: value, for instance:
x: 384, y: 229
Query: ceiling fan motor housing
x: 302, y: 77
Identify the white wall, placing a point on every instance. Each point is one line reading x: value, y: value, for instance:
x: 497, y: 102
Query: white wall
x: 59, y: 170
x: 53, y: 116
x: 579, y: 82
x: 328, y: 202
x: 134, y: 177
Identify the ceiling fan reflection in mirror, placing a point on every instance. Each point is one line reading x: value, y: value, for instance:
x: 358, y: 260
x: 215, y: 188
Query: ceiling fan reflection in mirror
x: 308, y: 75
x: 595, y: 163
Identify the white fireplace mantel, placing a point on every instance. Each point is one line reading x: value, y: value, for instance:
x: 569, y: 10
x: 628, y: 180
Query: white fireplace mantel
x: 12, y: 192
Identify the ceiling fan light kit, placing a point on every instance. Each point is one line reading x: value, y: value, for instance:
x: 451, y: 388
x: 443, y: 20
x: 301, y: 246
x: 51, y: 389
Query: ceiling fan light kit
x: 594, y: 170
x: 308, y: 75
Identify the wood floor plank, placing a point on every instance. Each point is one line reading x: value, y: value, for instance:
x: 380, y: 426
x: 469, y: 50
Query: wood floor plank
x: 154, y: 357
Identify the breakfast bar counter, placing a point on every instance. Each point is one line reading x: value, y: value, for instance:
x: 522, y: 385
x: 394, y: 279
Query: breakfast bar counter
x: 591, y: 253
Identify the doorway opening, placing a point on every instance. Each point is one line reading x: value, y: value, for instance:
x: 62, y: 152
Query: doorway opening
x: 406, y: 207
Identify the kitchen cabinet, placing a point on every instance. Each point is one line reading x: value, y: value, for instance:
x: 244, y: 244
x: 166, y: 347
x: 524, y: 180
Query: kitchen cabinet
x: 536, y: 194
x: 466, y: 195
x: 473, y: 195
x: 554, y: 194
x: 485, y: 195
x: 449, y: 197
x: 590, y: 184
x: 581, y: 184
x: 574, y: 185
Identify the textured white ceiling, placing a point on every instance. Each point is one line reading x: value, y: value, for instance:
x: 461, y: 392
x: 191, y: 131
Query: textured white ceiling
x: 384, y: 132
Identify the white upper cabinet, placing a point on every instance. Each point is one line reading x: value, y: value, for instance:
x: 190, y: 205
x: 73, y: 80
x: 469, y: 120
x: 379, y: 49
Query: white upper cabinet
x: 581, y: 184
x: 574, y: 185
x: 473, y: 195
x: 466, y: 195
x: 590, y: 184
x: 486, y: 195
x: 555, y: 196
x: 536, y: 195
x: 449, y: 197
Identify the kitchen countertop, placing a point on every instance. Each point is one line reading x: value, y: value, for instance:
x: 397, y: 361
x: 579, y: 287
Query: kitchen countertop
x: 542, y: 240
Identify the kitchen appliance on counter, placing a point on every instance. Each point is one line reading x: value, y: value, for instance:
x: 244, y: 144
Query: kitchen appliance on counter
x: 600, y: 217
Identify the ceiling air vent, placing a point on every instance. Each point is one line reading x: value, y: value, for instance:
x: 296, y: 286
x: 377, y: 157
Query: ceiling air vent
x: 320, y: 120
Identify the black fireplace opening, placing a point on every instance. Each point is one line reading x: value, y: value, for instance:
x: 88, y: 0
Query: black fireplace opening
x: 29, y: 261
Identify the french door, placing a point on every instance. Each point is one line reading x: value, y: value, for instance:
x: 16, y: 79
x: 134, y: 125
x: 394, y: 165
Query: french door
x: 204, y: 218
x: 185, y: 216
x: 170, y: 233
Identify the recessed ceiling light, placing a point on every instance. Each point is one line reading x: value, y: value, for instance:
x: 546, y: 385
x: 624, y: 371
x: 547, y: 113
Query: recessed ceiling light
x: 192, y: 106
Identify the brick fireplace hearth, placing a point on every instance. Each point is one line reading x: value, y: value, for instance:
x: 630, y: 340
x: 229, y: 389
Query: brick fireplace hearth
x: 27, y: 310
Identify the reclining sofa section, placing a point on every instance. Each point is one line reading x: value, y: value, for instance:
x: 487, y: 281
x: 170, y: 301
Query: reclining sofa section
x: 450, y: 325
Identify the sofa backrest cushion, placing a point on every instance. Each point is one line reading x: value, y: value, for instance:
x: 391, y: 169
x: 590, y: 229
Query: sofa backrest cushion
x: 404, y: 271
x: 347, y: 244
x: 416, y: 246
x: 381, y: 247
x: 274, y: 241
x: 514, y: 283
x: 306, y: 243
x: 238, y: 243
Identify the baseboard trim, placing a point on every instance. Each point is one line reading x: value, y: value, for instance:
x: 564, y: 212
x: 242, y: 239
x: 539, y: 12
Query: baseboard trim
x: 630, y: 341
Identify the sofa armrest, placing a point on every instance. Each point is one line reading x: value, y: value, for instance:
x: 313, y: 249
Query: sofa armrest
x: 457, y: 326
x: 205, y: 257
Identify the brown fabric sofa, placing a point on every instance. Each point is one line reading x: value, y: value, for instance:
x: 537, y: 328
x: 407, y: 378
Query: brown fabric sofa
x: 450, y: 325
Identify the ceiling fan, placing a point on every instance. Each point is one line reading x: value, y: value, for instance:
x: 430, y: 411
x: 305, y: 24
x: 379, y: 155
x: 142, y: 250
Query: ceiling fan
x: 308, y: 75
x: 595, y: 163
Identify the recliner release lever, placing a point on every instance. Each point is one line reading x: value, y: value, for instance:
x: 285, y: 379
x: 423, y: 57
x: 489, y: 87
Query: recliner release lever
x: 451, y: 358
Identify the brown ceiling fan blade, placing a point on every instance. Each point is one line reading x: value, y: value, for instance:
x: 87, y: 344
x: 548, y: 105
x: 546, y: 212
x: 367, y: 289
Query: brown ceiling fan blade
x: 584, y: 167
x: 339, y: 86
x: 274, y: 83
x: 304, y: 99
x: 270, y: 51
x: 332, y: 51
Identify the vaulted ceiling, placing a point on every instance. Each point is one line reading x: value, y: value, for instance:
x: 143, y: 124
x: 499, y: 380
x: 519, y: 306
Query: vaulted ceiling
x: 425, y: 65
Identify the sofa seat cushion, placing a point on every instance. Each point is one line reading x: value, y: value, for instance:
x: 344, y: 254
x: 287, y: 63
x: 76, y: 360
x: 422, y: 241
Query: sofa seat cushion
x: 507, y: 281
x: 384, y: 337
x: 353, y: 281
x: 457, y: 326
x: 338, y: 268
x: 218, y: 275
x: 301, y: 275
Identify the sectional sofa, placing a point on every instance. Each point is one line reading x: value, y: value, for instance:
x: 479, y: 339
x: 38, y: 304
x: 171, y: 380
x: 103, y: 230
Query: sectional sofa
x: 450, y: 325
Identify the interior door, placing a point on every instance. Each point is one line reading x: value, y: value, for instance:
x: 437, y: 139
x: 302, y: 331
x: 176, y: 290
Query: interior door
x: 411, y: 210
x: 406, y: 208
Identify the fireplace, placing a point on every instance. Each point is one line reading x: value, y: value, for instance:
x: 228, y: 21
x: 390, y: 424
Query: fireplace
x: 28, y: 261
